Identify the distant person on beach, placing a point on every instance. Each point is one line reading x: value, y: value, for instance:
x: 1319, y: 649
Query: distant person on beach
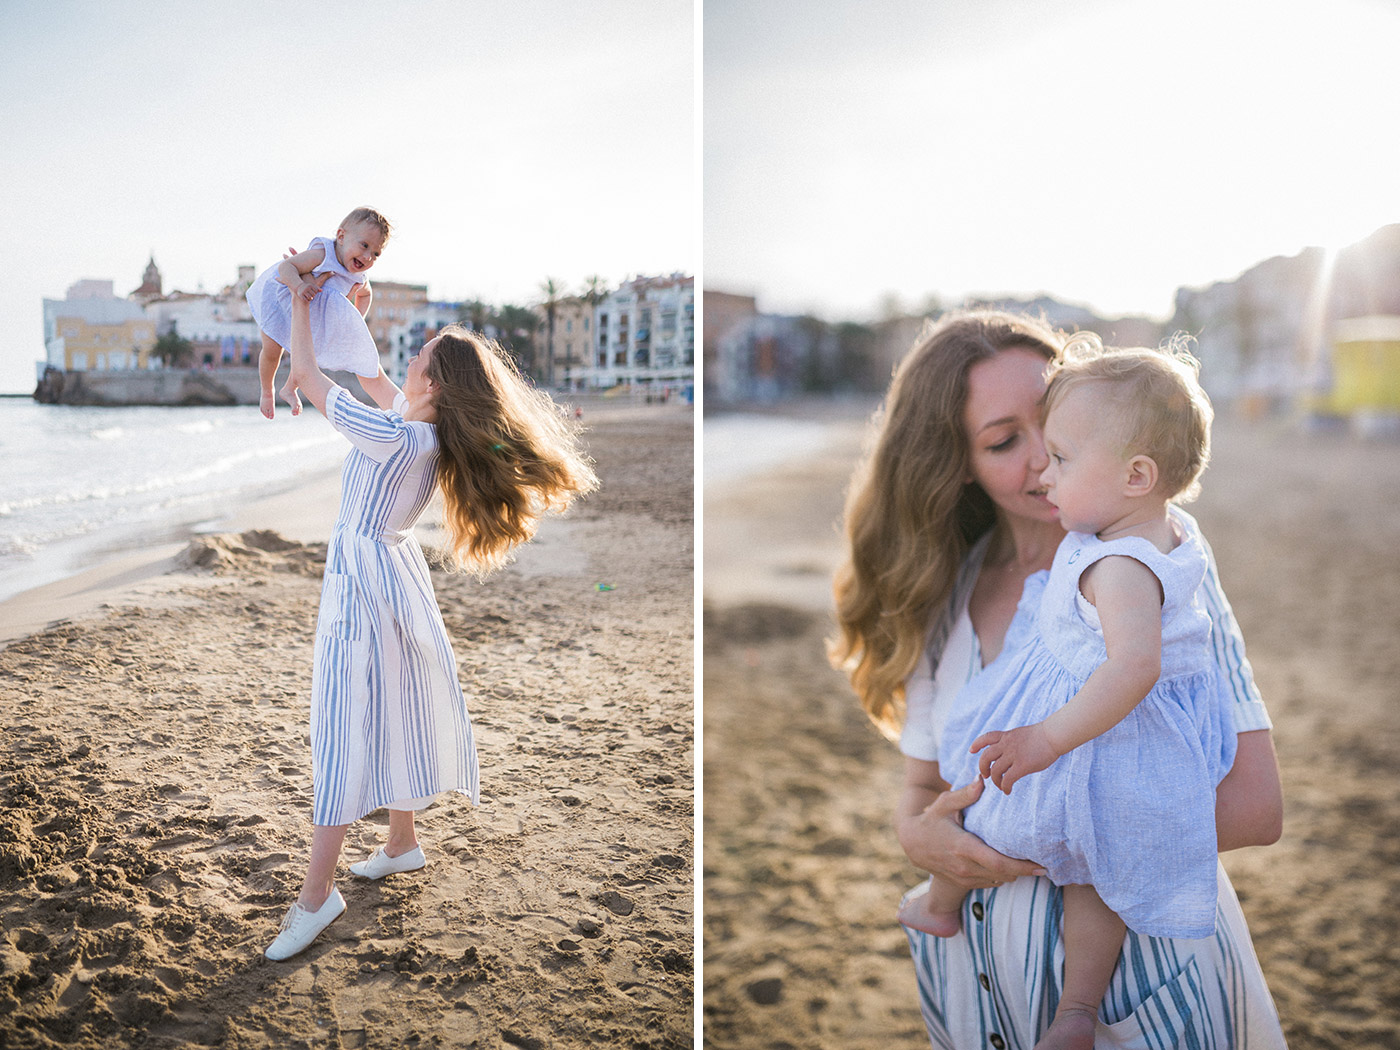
x: 336, y: 265
x: 948, y: 526
x: 389, y: 724
x: 1121, y: 721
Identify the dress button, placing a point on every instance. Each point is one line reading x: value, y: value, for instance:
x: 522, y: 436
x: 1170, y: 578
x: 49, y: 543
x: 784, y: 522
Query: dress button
x: 986, y: 984
x: 977, y: 912
x: 998, y: 1042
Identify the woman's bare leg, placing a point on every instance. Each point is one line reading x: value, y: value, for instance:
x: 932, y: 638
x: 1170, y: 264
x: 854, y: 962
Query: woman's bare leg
x: 326, y: 841
x: 1093, y: 935
x: 402, y: 834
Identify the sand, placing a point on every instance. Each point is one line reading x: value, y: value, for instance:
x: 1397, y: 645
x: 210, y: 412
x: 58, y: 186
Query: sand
x: 802, y: 872
x: 155, y: 794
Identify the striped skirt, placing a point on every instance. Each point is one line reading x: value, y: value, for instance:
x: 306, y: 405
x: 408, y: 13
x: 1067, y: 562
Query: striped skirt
x: 997, y: 984
x: 389, y: 723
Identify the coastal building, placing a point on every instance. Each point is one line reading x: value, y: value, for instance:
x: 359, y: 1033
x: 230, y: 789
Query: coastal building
x: 570, y: 349
x: 763, y: 357
x: 644, y: 336
x: 403, y: 341
x: 394, y: 305
x: 93, y: 329
x: 723, y: 310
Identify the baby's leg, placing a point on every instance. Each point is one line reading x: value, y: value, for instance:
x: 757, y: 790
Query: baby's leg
x: 1093, y: 941
x: 939, y: 911
x: 269, y: 357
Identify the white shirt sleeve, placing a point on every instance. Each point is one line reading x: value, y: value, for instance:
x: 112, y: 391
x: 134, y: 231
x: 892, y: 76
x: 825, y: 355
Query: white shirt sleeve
x: 929, y: 697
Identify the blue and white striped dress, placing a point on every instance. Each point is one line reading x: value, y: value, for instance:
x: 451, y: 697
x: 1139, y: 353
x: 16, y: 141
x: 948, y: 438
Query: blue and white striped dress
x: 389, y: 723
x: 997, y: 983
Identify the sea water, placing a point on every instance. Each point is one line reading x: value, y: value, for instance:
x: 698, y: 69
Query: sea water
x: 80, y: 483
x: 740, y: 445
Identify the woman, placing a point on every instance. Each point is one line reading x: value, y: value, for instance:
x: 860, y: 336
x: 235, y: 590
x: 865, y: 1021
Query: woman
x: 945, y: 521
x: 389, y: 724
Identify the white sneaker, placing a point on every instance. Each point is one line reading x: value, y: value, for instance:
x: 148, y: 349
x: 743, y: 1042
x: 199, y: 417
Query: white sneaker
x: 381, y: 864
x: 300, y: 926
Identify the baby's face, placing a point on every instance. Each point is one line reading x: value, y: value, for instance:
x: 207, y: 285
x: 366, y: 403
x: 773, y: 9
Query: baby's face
x: 1087, y: 468
x: 359, y: 245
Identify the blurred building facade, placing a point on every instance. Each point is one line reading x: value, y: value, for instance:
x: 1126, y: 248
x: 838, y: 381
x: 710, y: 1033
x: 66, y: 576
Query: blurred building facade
x: 91, y: 328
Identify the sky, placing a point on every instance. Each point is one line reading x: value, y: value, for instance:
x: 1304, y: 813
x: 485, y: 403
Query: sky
x: 866, y: 154
x: 508, y: 141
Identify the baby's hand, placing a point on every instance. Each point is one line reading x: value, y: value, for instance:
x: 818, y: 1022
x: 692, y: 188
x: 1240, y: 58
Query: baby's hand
x: 1008, y: 756
x: 309, y: 288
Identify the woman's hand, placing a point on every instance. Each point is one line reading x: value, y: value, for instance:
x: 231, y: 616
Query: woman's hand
x: 929, y: 826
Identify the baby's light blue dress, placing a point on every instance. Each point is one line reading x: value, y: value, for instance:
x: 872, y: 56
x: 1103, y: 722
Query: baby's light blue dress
x: 338, y: 332
x: 1131, y: 812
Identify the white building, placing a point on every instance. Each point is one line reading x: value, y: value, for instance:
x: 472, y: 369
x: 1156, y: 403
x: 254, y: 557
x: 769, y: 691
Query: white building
x: 644, y: 336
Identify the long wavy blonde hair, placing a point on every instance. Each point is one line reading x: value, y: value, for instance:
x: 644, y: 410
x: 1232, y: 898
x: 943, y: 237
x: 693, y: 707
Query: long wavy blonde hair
x: 911, y: 515
x: 507, y: 453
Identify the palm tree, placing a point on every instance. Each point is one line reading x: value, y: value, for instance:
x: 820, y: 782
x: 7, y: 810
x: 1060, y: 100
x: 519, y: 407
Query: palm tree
x: 517, y: 325
x: 553, y: 290
x: 473, y: 314
x: 595, y: 290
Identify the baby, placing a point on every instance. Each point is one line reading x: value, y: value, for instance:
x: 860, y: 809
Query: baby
x: 1114, y: 712
x: 341, y: 338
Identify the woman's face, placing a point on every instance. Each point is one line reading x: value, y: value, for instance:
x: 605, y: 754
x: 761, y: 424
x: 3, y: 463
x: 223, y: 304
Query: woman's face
x: 415, y: 382
x: 1006, y: 449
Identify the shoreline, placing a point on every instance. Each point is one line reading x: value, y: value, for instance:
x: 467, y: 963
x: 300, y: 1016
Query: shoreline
x: 303, y: 512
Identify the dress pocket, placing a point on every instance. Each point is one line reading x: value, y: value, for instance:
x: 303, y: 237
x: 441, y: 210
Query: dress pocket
x: 340, y: 612
x: 1176, y: 1014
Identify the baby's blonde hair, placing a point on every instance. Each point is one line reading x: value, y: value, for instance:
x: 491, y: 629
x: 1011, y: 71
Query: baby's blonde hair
x: 1158, y: 408
x: 370, y: 216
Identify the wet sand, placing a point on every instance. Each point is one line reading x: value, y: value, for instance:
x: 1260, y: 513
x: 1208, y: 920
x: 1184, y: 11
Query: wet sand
x: 155, y: 799
x: 802, y: 872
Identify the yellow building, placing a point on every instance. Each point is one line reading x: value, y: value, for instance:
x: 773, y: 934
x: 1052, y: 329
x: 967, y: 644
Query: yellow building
x: 1365, y: 367
x: 104, y: 347
x: 98, y: 333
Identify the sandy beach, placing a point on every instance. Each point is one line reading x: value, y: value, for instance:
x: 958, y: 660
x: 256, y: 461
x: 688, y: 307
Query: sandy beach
x: 802, y: 872
x: 155, y: 790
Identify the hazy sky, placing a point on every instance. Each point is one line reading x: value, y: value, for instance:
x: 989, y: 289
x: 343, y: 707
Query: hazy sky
x: 1104, y: 151
x: 508, y: 140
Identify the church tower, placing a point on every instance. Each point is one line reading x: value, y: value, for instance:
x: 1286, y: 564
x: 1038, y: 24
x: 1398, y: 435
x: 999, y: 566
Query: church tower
x: 150, y: 284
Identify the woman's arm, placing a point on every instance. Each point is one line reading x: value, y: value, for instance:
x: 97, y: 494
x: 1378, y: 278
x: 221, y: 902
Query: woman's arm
x: 381, y: 389
x: 1249, y: 801
x: 928, y: 823
x: 306, y: 374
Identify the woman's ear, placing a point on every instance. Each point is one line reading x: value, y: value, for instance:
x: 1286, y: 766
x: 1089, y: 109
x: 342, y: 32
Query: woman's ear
x: 1142, y: 476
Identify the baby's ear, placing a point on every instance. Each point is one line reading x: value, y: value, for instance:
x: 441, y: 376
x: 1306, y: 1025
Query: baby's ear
x: 1142, y: 476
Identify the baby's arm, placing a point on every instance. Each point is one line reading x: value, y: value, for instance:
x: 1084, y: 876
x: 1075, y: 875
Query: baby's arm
x: 1128, y: 598
x: 364, y: 296
x: 292, y: 272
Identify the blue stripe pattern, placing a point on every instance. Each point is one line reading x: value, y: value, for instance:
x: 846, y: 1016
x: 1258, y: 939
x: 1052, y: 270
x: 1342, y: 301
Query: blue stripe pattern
x: 389, y: 723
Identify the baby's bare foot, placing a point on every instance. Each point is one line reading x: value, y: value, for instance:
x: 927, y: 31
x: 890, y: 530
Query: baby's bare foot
x: 290, y: 395
x: 1072, y: 1029
x: 918, y: 915
x: 267, y: 403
